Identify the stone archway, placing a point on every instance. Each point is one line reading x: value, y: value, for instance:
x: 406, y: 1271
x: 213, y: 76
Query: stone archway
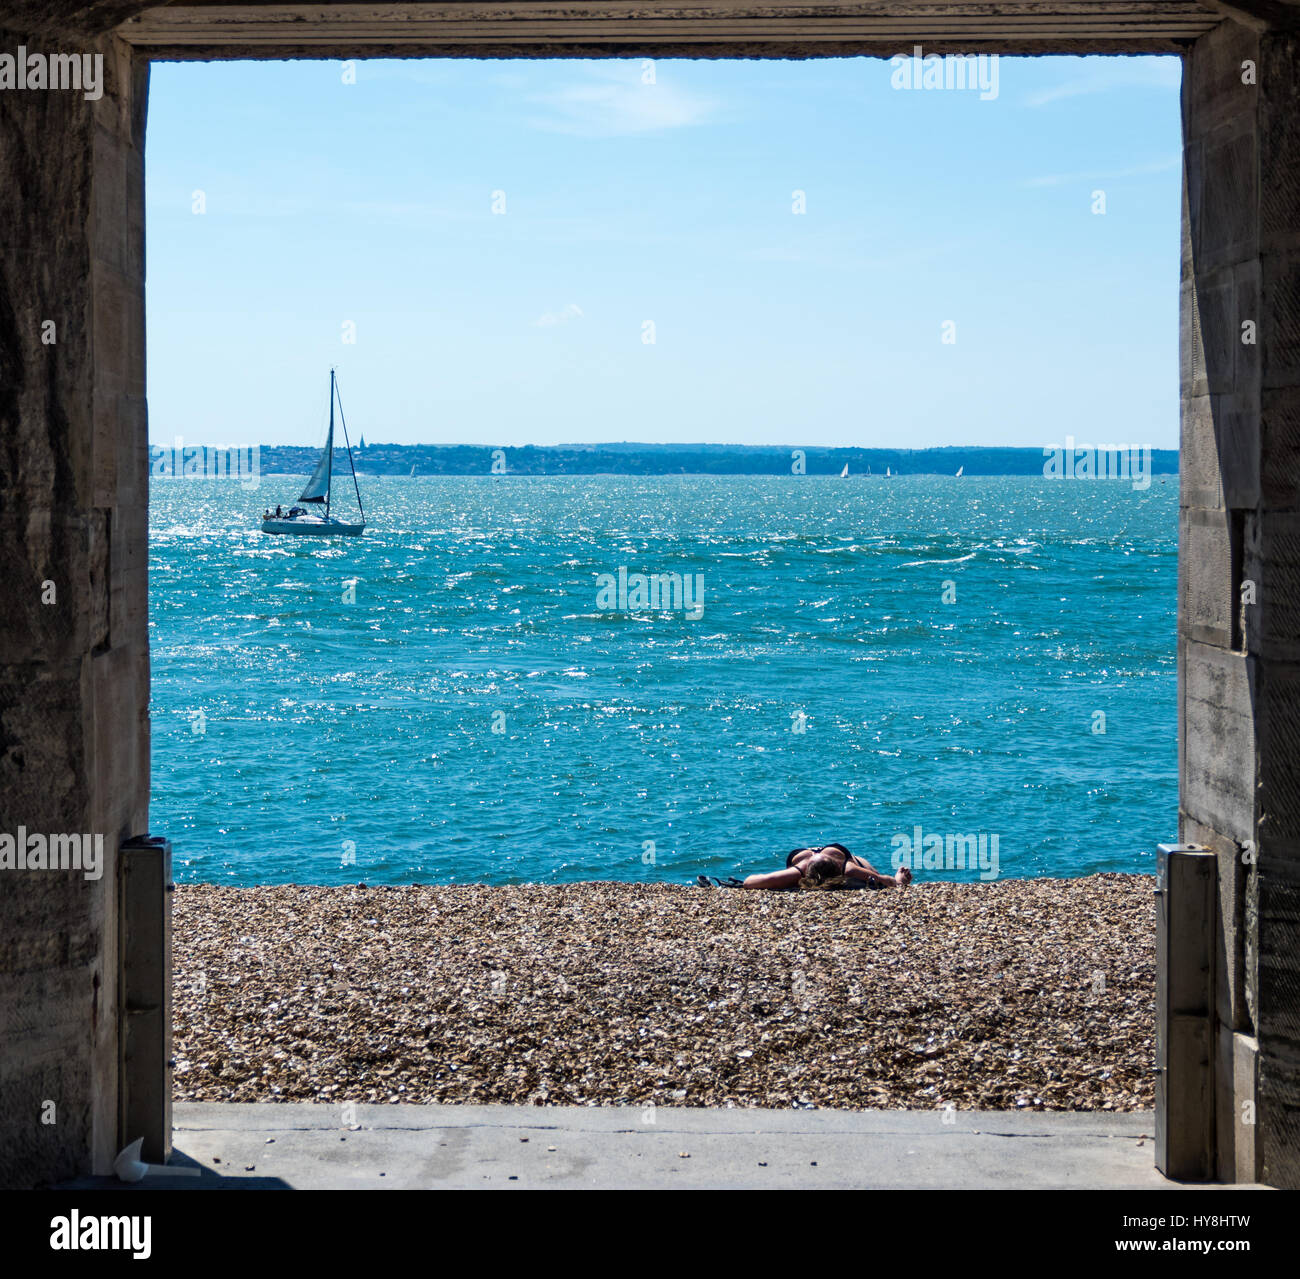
x: 74, y: 678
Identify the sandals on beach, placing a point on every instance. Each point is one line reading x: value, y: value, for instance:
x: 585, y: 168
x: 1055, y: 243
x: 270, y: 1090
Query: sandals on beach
x: 706, y: 881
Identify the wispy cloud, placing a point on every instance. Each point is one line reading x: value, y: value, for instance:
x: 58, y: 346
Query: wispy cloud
x: 1107, y: 74
x: 549, y: 319
x: 1111, y: 175
x: 615, y: 101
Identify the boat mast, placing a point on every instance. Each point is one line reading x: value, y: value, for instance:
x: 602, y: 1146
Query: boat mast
x: 329, y: 448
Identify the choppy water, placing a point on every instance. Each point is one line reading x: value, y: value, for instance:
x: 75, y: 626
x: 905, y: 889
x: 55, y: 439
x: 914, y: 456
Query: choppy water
x: 331, y: 728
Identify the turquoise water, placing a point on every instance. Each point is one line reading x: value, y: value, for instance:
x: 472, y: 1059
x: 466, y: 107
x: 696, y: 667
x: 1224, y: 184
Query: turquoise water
x: 303, y: 735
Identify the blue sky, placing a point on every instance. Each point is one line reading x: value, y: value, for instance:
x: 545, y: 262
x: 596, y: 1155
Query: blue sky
x: 625, y: 201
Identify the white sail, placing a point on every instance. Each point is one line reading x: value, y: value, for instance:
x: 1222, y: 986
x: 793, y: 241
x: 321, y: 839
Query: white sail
x: 844, y: 474
x: 319, y: 484
x: 960, y: 469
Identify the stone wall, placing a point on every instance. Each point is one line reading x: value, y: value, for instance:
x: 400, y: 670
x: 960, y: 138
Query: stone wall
x: 74, y: 734
x: 1239, y: 569
x: 74, y: 672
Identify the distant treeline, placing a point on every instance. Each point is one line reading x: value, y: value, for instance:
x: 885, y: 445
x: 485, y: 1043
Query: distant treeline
x: 671, y: 459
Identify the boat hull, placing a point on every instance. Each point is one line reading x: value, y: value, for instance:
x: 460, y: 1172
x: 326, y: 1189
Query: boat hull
x: 310, y: 526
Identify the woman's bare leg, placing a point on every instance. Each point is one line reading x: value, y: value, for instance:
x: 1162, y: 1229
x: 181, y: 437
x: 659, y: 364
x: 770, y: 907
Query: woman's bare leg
x: 775, y: 879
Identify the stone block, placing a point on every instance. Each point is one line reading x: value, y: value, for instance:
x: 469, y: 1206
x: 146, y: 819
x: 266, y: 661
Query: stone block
x: 111, y: 242
x: 1208, y: 596
x: 1277, y: 725
x: 1247, y: 345
x: 1213, y: 92
x: 1278, y: 1026
x: 1219, y: 452
x: 119, y: 794
x: 1279, y: 449
x: 53, y: 558
x: 1217, y: 749
x: 1279, y: 326
x: 1200, y: 474
x: 132, y: 451
x: 1227, y: 231
x: 1271, y: 562
x: 1230, y: 1006
x: 45, y: 1004
x: 1222, y: 313
x: 1192, y: 379
x: 43, y: 782
x: 1245, y: 1071
x: 1279, y: 143
x: 119, y: 335
x: 1238, y: 438
x: 1236, y: 1109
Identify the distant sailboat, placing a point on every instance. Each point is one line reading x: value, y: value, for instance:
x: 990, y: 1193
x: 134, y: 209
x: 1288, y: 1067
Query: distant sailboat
x: 889, y: 475
x: 844, y: 474
x: 412, y: 472
x: 960, y: 469
x: 299, y: 521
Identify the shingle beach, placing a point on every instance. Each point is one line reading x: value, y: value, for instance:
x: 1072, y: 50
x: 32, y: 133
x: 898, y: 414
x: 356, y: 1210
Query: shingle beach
x: 1020, y: 993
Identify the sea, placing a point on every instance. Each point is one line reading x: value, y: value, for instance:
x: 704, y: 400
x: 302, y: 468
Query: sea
x: 483, y: 689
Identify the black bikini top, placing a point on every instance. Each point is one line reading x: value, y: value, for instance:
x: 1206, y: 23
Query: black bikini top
x: 848, y: 857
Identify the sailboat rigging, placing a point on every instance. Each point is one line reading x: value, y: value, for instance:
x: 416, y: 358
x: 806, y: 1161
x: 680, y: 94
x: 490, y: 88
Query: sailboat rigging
x: 300, y: 520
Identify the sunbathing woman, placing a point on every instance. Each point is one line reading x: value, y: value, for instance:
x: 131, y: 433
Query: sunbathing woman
x: 817, y: 867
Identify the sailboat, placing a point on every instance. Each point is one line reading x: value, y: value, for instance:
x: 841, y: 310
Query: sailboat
x: 960, y: 469
x: 844, y: 474
x: 301, y: 521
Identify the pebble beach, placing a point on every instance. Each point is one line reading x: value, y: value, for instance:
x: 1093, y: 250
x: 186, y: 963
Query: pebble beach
x: 1010, y: 994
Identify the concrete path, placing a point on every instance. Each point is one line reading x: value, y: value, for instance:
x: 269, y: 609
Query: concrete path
x: 304, y: 1146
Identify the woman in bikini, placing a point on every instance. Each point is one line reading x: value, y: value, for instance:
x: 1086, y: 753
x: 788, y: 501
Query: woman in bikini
x: 818, y: 866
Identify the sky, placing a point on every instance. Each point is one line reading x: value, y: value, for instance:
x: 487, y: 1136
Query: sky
x: 763, y: 252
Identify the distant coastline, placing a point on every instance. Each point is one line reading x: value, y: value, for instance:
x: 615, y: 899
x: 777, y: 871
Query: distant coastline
x: 656, y: 459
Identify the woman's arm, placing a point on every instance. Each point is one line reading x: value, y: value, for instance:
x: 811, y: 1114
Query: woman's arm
x: 870, y: 876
